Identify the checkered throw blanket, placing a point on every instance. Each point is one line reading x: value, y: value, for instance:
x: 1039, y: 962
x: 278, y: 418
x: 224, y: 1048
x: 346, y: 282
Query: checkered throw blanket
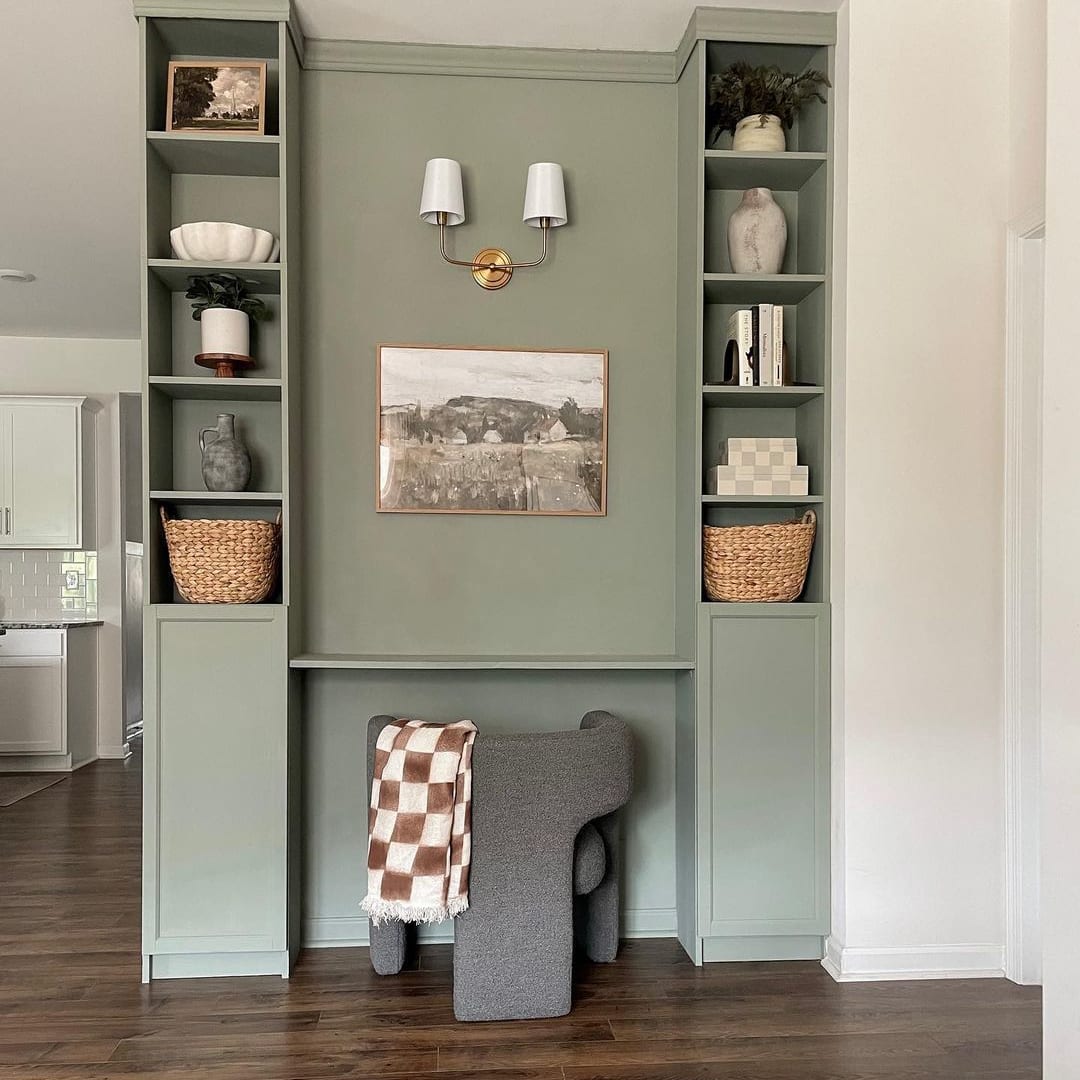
x: 420, y: 822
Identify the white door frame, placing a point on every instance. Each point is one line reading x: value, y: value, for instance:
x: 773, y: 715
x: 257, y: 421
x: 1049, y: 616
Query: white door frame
x: 1023, y: 513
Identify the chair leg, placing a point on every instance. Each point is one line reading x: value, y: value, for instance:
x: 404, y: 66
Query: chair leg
x: 388, y: 945
x: 599, y: 931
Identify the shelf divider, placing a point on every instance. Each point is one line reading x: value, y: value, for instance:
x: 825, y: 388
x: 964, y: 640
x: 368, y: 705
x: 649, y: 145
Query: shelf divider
x: 436, y: 662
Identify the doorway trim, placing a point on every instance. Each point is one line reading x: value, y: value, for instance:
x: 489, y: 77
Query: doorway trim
x: 1023, y: 511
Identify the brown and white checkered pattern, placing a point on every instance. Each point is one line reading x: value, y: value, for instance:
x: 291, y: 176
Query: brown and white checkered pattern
x: 420, y: 822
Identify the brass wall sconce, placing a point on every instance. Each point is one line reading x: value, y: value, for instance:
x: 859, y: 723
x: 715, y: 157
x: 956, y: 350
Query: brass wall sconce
x: 442, y: 203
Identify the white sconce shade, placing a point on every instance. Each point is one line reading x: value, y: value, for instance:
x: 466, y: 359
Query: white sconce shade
x: 545, y: 195
x: 442, y: 192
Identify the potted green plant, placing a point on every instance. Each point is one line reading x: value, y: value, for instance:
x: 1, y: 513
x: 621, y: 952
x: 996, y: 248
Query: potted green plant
x: 757, y: 103
x: 221, y: 305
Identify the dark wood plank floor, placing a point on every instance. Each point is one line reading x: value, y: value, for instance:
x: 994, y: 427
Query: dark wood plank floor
x: 71, y: 1005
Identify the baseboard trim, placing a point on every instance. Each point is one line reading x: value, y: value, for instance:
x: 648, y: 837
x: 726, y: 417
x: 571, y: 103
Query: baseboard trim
x: 764, y: 947
x: 121, y: 753
x: 976, y: 961
x: 351, y: 931
x: 214, y: 965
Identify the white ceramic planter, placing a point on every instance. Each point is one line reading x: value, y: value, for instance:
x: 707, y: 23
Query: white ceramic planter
x: 226, y: 330
x: 752, y: 134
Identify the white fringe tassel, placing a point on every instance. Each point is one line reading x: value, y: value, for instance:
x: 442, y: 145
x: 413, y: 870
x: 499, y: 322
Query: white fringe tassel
x: 382, y: 911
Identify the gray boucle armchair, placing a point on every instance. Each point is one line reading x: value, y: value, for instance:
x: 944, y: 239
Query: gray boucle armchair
x: 544, y: 831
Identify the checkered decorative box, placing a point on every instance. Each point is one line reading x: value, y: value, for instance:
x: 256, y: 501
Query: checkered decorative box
x: 759, y: 480
x: 774, y: 451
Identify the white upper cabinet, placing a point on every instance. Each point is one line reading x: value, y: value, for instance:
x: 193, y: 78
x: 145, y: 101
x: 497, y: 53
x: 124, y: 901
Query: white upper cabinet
x: 46, y: 473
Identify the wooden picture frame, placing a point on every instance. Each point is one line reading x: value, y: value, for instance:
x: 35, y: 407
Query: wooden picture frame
x: 478, y: 430
x: 218, y: 104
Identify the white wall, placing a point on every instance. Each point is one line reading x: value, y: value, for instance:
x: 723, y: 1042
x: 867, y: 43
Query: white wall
x: 1027, y: 107
x: 918, y: 875
x: 1061, y: 577
x: 102, y: 370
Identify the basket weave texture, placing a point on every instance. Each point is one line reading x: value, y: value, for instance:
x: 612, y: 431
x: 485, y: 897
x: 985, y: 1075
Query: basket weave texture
x: 755, y: 563
x: 215, y: 561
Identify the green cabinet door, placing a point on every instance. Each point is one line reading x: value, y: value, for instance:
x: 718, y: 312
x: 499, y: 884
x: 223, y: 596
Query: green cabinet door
x: 215, y: 813
x: 763, y: 761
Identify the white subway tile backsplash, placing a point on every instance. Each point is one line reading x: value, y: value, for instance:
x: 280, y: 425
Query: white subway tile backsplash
x: 33, y: 584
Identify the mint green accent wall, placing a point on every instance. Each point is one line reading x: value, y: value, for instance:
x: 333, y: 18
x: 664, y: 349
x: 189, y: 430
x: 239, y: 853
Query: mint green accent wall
x: 337, y: 707
x: 485, y: 584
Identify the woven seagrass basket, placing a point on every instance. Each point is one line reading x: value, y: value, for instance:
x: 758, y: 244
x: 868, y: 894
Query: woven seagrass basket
x: 748, y: 563
x: 215, y: 561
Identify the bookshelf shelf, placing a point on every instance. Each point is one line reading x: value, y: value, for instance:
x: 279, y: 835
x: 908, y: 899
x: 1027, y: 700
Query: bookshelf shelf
x: 762, y: 500
x: 174, y: 273
x: 741, y: 169
x: 757, y: 397
x: 760, y: 288
x: 196, y: 498
x: 217, y: 389
x: 217, y: 155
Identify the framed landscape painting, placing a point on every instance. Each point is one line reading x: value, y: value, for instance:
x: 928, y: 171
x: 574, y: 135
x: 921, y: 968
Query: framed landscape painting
x: 217, y: 97
x: 465, y: 430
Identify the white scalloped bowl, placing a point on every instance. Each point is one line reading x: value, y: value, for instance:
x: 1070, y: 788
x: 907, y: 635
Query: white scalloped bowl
x: 223, y: 241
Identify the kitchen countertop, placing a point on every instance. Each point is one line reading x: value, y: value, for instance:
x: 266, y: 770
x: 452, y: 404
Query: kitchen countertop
x: 48, y: 624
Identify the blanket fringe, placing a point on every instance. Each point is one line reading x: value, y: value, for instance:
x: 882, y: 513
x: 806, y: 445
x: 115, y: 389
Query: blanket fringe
x: 382, y: 911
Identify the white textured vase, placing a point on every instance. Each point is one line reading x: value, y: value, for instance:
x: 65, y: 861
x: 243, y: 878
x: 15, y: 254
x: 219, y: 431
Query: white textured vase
x: 226, y: 330
x: 757, y: 234
x: 761, y: 133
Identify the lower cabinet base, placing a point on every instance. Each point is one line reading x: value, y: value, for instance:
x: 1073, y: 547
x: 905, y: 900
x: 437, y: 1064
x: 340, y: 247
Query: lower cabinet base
x: 13, y: 763
x: 214, y: 965
x: 791, y: 947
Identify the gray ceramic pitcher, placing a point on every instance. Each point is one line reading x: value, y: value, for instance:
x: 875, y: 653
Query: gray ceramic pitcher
x: 226, y: 464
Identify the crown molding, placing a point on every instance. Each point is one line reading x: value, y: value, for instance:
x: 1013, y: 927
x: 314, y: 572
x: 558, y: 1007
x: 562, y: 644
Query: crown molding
x: 478, y: 60
x: 508, y: 62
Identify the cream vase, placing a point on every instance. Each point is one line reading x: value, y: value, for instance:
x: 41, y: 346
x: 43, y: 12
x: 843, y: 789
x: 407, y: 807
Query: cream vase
x: 752, y: 134
x: 226, y: 330
x: 757, y: 234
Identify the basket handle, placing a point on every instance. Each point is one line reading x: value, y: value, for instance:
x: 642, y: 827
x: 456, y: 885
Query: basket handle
x: 809, y: 518
x: 164, y: 515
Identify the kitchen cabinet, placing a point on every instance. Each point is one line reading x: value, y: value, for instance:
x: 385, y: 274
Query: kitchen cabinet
x: 48, y: 699
x: 46, y: 473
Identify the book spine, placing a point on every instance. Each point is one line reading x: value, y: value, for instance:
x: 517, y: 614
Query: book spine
x: 778, y: 345
x: 755, y: 338
x: 746, y: 346
x: 765, y: 344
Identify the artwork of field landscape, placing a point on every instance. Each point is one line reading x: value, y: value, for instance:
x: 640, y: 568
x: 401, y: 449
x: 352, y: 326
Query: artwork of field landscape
x: 492, y: 431
x: 217, y: 98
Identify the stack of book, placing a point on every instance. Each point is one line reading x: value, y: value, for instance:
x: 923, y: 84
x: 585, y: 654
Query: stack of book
x: 755, y: 349
x: 759, y: 467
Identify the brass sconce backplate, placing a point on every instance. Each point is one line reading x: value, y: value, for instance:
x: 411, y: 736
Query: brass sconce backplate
x: 491, y: 268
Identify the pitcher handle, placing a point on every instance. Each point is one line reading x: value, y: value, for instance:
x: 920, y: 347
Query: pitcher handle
x: 202, y: 437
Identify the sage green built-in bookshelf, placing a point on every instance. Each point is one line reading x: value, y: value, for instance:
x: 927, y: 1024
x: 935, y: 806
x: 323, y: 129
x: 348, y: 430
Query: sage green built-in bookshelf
x: 753, y: 727
x: 220, y: 808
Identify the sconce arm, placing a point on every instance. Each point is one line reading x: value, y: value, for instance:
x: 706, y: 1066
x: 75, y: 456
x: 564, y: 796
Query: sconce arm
x: 545, y: 227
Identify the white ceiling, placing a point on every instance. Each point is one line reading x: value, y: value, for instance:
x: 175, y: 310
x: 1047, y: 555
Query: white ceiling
x: 70, y: 169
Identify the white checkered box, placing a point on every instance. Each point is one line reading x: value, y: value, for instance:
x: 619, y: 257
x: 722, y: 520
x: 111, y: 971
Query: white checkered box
x: 759, y: 480
x: 763, y: 451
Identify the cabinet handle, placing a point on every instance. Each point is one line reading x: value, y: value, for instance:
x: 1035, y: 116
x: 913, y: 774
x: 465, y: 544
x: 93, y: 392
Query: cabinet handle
x: 7, y: 520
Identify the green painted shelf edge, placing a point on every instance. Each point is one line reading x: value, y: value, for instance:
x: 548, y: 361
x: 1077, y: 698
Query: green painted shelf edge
x: 210, y: 389
x: 217, y: 155
x: 355, y: 661
x: 174, y: 273
x: 760, y: 288
x: 762, y: 500
x: 756, y: 397
x: 733, y: 169
x: 182, y: 498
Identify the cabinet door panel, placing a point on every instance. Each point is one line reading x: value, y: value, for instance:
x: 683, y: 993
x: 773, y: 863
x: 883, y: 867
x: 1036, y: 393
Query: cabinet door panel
x: 44, y: 494
x: 216, y: 768
x: 32, y: 705
x: 767, y: 803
